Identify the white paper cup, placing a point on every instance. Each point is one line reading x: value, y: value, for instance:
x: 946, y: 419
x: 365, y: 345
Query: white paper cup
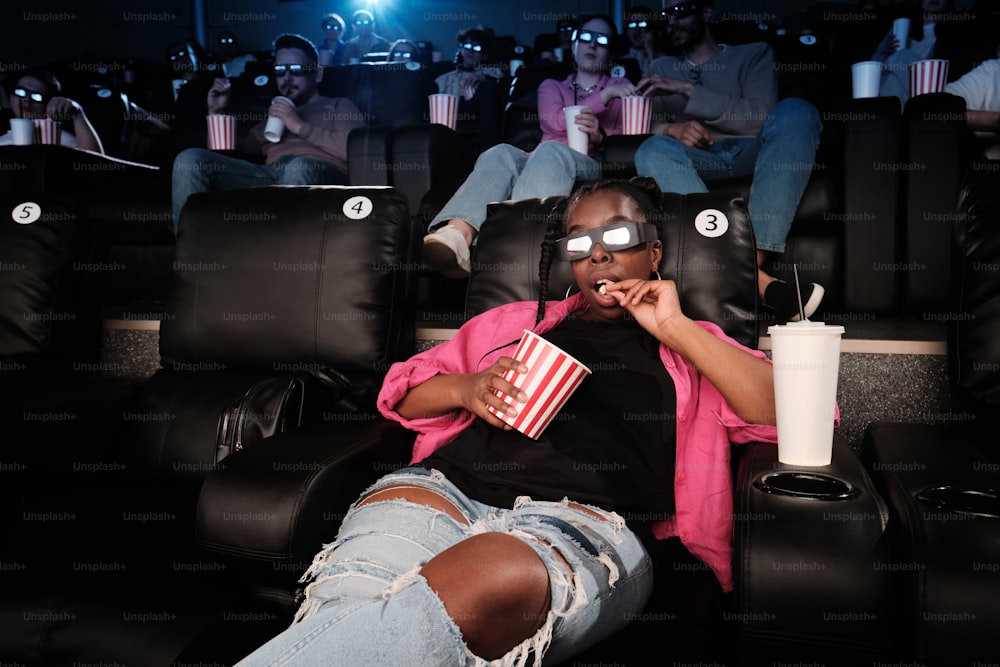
x: 928, y: 76
x: 221, y: 132
x: 576, y: 137
x: 48, y: 131
x: 515, y: 65
x: 275, y: 126
x: 551, y: 379
x: 806, y: 358
x: 866, y: 77
x: 22, y: 131
x: 901, y: 31
x: 636, y: 110
x: 443, y: 109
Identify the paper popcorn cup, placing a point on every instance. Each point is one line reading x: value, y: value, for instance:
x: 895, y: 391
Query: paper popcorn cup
x: 928, y: 76
x: 551, y: 379
x: 48, y: 131
x: 221, y: 132
x: 636, y: 110
x: 444, y: 109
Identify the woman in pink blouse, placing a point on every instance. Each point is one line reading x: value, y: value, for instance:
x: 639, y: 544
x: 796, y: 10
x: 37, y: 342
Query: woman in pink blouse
x: 506, y: 172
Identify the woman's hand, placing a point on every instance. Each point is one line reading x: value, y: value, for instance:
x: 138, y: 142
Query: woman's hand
x: 218, y: 95
x: 481, y: 388
x: 621, y: 90
x: 587, y: 121
x: 653, y: 303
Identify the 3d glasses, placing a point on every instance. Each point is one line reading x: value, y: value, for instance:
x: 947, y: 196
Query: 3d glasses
x: 472, y: 46
x: 612, y: 238
x: 32, y: 95
x: 590, y: 36
x: 295, y: 69
x: 682, y: 10
x: 632, y: 25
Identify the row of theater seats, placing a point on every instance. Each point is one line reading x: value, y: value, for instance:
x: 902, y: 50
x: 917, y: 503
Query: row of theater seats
x: 144, y: 542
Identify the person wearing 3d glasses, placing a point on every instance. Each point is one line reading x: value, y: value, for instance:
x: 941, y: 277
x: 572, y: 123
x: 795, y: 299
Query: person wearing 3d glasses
x: 552, y: 168
x: 475, y: 81
x: 724, y: 120
x: 36, y: 94
x: 640, y: 28
x: 312, y: 149
x: 492, y: 548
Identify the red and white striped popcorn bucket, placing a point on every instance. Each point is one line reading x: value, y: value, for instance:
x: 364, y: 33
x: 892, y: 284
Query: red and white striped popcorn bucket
x: 221, y: 132
x: 928, y: 76
x: 636, y: 110
x: 47, y: 131
x: 551, y: 379
x: 444, y: 109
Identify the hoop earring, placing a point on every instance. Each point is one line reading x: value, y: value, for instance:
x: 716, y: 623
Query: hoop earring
x: 657, y: 274
x: 568, y: 290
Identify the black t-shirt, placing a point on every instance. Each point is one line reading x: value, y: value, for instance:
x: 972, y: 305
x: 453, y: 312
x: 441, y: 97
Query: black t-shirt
x: 612, y: 445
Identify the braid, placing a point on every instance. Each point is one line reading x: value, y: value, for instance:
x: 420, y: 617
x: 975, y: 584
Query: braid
x: 640, y: 189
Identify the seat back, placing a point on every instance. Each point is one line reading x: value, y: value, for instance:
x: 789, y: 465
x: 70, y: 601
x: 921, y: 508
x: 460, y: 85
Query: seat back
x: 267, y: 281
x: 708, y: 250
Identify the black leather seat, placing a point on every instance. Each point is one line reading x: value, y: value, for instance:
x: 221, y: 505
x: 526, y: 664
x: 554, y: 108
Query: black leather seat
x: 942, y: 479
x: 150, y: 545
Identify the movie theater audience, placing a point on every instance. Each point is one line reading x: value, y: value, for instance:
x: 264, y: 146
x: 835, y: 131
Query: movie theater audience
x: 35, y: 94
x: 552, y: 168
x: 311, y: 150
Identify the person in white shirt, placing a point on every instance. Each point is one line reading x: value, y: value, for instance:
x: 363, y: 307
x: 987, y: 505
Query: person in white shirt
x: 980, y: 88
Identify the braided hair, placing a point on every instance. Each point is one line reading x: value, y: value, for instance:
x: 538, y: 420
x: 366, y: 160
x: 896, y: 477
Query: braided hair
x: 643, y: 192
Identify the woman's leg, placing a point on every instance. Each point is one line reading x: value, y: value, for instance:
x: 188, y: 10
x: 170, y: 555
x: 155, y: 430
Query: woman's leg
x: 553, y: 169
x: 414, y: 579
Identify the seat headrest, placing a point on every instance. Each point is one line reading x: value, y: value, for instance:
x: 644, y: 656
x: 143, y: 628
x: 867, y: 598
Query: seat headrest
x: 708, y: 250
x: 290, y: 275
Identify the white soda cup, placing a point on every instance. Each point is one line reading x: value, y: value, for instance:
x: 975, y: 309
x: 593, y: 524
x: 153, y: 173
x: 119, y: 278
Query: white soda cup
x: 22, y: 131
x: 275, y: 126
x: 577, y: 138
x: 901, y: 31
x: 806, y: 358
x: 866, y: 77
x: 551, y: 379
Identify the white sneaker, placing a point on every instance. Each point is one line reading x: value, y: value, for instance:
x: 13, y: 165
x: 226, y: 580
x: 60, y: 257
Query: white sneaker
x: 447, y: 253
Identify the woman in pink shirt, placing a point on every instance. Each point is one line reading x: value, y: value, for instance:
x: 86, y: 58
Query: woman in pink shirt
x: 507, y: 172
x: 492, y: 546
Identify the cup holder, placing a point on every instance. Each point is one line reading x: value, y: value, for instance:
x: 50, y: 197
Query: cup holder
x: 815, y: 485
x: 974, y: 502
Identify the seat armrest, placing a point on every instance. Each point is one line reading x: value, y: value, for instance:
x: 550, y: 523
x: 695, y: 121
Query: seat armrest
x: 269, y: 508
x: 801, y: 561
x: 619, y: 155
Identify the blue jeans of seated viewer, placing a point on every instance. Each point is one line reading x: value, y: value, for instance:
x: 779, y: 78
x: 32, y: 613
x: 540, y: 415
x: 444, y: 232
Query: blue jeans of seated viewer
x: 367, y: 605
x: 201, y: 170
x: 780, y: 159
x: 505, y: 172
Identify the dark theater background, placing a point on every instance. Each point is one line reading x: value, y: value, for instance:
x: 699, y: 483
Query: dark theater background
x: 188, y: 399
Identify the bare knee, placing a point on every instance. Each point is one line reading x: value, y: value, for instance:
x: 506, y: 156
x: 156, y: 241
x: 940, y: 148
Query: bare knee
x: 415, y: 494
x: 495, y: 588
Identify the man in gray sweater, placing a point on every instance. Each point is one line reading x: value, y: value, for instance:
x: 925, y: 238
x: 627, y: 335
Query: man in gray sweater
x: 716, y: 115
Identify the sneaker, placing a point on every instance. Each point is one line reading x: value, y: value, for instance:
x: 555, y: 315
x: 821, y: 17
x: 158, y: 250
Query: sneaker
x: 447, y: 253
x: 780, y: 297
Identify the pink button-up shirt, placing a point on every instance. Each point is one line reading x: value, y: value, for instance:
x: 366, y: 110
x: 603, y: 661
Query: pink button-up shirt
x: 706, y: 424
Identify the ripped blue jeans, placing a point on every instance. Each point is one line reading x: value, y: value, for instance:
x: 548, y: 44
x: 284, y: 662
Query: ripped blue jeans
x: 367, y: 604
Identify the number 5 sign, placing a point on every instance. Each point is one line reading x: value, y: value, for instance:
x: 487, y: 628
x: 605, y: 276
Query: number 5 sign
x: 26, y: 213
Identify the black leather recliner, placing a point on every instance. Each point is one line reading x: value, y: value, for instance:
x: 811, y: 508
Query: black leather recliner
x: 140, y: 542
x: 942, y: 480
